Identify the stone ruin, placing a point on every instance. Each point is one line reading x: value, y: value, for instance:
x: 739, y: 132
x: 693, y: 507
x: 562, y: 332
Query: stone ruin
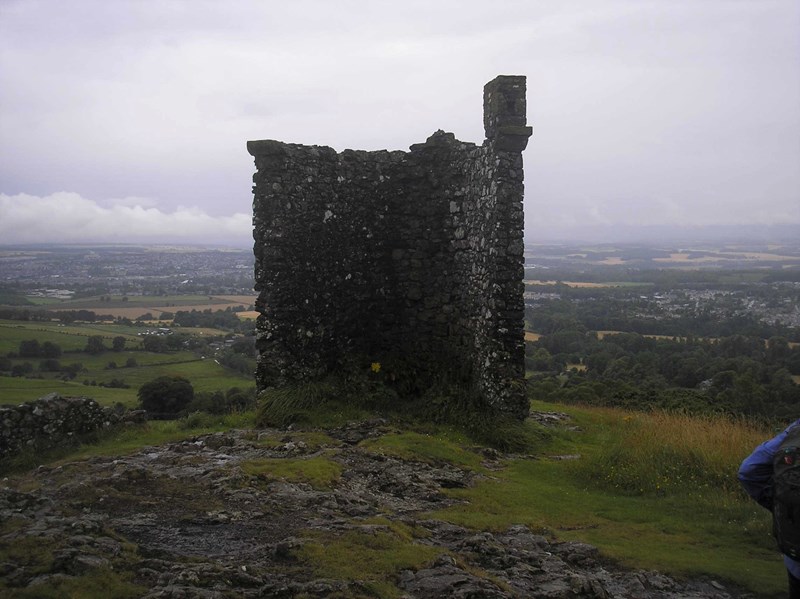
x: 55, y: 421
x: 390, y: 257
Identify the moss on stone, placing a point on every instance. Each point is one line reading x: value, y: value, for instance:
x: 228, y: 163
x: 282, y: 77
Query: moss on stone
x: 319, y: 471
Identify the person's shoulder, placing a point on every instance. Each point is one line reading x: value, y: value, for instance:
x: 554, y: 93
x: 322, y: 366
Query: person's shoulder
x: 794, y: 426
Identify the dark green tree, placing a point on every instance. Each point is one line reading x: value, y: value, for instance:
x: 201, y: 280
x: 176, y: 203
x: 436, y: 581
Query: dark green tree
x: 155, y: 344
x: 206, y: 401
x: 50, y: 365
x: 239, y: 399
x: 166, y: 395
x: 118, y: 343
x: 29, y: 348
x: 22, y: 369
x: 236, y: 362
x: 541, y: 360
x: 95, y: 345
x: 72, y: 370
x: 50, y: 350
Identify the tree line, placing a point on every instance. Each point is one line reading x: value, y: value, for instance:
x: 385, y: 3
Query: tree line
x: 237, y: 355
x: 216, y: 319
x: 736, y: 374
x: 173, y: 396
x: 621, y: 310
x: 50, y: 353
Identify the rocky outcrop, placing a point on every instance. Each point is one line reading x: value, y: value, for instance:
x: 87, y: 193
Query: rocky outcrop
x: 194, y: 519
x: 411, y: 260
x: 52, y: 421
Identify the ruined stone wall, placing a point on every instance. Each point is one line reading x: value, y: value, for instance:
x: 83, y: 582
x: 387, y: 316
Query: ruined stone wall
x: 412, y: 256
x: 51, y: 421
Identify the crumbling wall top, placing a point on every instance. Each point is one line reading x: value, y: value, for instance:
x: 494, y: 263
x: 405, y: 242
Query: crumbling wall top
x: 504, y: 113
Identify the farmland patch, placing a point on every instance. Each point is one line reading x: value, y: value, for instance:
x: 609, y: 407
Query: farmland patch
x: 583, y: 284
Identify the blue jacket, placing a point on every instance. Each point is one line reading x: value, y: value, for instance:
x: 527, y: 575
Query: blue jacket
x: 755, y: 474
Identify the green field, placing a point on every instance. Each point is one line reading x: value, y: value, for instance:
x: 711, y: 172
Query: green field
x: 136, y: 306
x: 16, y: 390
x: 204, y: 373
x: 94, y: 303
x: 43, y: 301
x: 70, y: 337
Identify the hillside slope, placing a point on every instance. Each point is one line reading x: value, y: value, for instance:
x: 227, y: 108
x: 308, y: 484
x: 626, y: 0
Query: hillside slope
x: 361, y: 510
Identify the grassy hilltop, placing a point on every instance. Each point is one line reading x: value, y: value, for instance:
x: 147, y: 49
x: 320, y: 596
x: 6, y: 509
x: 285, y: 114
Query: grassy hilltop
x: 651, y: 491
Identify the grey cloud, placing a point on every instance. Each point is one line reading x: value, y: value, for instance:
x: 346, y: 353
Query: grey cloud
x: 67, y: 217
x: 662, y: 109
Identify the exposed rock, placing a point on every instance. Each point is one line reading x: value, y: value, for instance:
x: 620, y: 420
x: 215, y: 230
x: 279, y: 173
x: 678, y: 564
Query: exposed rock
x: 550, y: 419
x: 355, y: 432
x: 185, y: 520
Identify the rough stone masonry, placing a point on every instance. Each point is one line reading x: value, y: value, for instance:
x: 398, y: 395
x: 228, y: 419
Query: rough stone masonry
x: 395, y: 257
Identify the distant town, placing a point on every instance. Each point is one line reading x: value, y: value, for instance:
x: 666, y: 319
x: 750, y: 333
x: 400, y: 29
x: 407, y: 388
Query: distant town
x: 657, y: 287
x: 71, y: 272
x: 649, y: 283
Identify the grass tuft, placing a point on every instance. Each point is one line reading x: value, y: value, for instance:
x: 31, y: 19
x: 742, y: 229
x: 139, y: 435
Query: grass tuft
x: 287, y: 405
x: 320, y: 472
x: 508, y: 434
x: 435, y: 446
x: 370, y: 557
x: 666, y: 453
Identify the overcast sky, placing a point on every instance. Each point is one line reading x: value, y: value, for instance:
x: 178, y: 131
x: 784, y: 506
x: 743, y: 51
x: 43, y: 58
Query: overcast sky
x: 127, y: 120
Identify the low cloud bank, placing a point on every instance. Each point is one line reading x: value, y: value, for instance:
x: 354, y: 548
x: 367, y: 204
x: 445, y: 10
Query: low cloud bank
x: 66, y: 217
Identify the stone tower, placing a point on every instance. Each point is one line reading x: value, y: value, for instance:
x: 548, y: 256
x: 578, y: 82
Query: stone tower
x: 413, y: 260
